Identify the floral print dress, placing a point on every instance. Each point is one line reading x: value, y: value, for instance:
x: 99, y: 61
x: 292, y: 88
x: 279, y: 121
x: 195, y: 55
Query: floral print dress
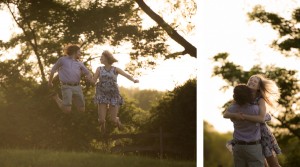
x: 268, y: 141
x: 107, y: 90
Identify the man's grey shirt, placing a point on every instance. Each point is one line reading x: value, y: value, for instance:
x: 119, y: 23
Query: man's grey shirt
x: 245, y: 130
x: 69, y: 70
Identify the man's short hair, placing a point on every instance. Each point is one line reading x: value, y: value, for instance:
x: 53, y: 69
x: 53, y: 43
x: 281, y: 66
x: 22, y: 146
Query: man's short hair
x: 71, y: 49
x: 242, y: 94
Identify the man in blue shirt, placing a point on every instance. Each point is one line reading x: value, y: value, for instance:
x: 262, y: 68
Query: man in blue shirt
x: 247, y: 150
x: 69, y: 70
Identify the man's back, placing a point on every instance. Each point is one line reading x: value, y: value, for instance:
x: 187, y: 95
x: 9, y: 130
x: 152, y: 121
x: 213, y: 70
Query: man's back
x: 247, y: 150
x: 245, y: 130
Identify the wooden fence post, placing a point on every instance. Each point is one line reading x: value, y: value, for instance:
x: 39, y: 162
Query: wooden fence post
x: 161, y: 143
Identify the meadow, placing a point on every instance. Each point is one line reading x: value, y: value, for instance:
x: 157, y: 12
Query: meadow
x: 48, y: 158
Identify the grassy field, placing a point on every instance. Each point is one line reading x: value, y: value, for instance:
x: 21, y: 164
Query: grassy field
x: 46, y: 158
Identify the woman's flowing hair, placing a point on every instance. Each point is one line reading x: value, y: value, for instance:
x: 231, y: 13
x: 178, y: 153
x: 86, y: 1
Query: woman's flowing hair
x: 109, y: 56
x: 269, y: 90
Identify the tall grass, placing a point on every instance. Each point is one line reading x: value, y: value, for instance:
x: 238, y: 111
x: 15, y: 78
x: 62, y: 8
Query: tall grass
x: 46, y: 158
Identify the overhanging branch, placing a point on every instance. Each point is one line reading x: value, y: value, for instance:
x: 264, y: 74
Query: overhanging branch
x: 189, y: 48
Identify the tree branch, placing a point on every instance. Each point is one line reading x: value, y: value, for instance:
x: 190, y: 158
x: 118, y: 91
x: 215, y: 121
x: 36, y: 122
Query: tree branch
x: 189, y: 48
x: 174, y: 55
x: 287, y: 125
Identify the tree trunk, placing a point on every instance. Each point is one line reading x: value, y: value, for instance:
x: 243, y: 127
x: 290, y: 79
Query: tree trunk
x: 33, y: 45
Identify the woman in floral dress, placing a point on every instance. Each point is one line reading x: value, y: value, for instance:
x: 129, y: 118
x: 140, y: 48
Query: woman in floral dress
x: 267, y: 94
x: 107, y: 95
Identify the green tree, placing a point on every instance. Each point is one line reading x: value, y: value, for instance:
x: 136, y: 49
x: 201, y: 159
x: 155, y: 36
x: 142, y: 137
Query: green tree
x: 176, y: 115
x: 46, y: 25
x: 215, y: 153
x: 288, y: 30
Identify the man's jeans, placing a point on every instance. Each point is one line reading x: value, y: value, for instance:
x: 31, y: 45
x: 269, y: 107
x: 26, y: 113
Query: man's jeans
x: 248, y: 155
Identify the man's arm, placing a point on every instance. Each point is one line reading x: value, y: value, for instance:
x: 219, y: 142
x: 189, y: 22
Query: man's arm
x: 89, y: 77
x: 50, y: 84
x: 53, y: 70
x: 87, y: 74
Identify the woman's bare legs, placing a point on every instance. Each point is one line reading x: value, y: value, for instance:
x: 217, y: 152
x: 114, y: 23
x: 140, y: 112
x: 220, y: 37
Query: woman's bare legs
x: 102, y: 109
x: 266, y: 163
x: 273, y: 161
x: 113, y: 111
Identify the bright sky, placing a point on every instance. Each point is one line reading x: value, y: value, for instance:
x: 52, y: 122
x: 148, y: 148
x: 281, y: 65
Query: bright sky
x: 224, y: 27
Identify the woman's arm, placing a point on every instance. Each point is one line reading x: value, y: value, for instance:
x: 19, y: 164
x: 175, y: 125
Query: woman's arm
x: 262, y: 112
x: 230, y: 115
x: 121, y: 72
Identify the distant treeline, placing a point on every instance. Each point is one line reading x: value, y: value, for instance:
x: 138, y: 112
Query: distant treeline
x: 145, y: 99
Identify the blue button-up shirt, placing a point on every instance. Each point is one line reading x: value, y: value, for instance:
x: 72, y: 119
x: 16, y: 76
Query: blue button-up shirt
x: 245, y: 130
x: 69, y: 70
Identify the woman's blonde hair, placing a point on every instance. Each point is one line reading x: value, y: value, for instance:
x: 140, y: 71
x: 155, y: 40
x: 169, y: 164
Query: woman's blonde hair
x: 109, y: 57
x: 268, y: 89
